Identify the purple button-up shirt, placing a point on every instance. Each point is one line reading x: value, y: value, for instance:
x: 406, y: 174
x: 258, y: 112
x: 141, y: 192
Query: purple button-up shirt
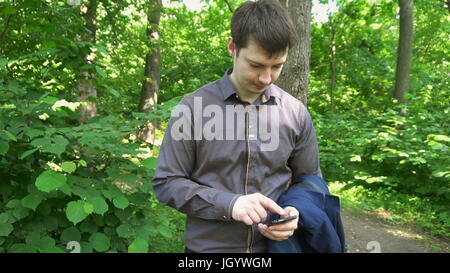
x: 217, y: 148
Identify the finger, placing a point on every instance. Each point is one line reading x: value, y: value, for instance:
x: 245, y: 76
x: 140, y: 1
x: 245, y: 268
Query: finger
x: 284, y: 227
x: 261, y: 213
x: 290, y: 211
x: 271, y: 205
x: 263, y: 230
x: 275, y: 236
x: 254, y: 216
x: 279, y: 235
x: 247, y: 220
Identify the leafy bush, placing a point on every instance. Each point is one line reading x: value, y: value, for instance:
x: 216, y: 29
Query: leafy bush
x: 392, y: 156
x: 86, y: 183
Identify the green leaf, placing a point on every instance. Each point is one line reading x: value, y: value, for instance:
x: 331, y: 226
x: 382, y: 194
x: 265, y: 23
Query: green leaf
x: 150, y: 163
x: 121, y: 202
x: 27, y: 153
x: 14, y: 87
x: 71, y: 234
x: 3, y: 63
x: 128, y: 177
x: 4, y: 147
x: 58, y: 146
x: 138, y: 246
x: 69, y: 166
x: 13, y: 204
x: 4, y: 217
x: 101, y: 72
x: 52, y: 249
x: 111, y: 192
x: 47, y: 245
x: 99, y: 242
x: 10, y: 135
x: 112, y: 91
x: 164, y: 231
x: 5, y: 229
x: 33, y: 238
x: 440, y: 137
x: 46, y: 242
x: 77, y: 211
x: 88, y: 207
x: 49, y: 100
x: 83, y: 163
x: 100, y: 206
x: 31, y: 201
x: 8, y: 10
x: 440, y: 173
x: 124, y: 230
x: 86, y: 247
x: 50, y: 180
x: 22, y: 248
x: 20, y: 212
x: 41, y: 142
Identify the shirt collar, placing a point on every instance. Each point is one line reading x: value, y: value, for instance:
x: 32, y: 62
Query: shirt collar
x: 227, y: 88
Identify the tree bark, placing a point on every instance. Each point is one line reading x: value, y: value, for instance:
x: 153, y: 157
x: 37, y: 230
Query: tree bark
x: 85, y: 84
x: 295, y: 75
x: 332, y: 80
x: 404, y: 51
x: 150, y: 86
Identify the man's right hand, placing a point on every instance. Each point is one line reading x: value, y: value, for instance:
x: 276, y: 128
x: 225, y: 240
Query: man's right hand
x: 251, y: 209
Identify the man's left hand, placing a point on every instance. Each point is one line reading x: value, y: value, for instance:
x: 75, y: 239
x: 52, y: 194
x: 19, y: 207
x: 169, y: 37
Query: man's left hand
x: 283, y: 231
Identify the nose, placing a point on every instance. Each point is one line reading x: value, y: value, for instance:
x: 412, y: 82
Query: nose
x: 265, y: 78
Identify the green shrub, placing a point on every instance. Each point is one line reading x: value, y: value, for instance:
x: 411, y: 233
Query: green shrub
x: 86, y: 183
x: 392, y: 157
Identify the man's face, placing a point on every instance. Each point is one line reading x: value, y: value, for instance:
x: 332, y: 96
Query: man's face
x: 254, y: 69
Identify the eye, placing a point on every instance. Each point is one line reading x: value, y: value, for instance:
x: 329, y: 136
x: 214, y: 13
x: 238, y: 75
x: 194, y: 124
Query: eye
x: 255, y: 65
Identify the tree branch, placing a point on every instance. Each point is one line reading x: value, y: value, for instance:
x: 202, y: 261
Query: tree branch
x: 230, y: 8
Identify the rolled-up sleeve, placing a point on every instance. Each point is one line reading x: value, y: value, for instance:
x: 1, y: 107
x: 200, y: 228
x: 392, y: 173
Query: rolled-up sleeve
x: 174, y: 187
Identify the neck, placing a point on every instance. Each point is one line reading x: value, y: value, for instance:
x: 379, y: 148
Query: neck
x: 243, y: 95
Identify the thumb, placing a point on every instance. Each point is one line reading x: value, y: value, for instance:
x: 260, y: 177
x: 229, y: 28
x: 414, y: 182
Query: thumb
x: 291, y: 211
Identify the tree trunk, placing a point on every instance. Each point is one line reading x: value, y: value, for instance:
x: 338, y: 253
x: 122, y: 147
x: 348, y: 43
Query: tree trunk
x: 295, y: 75
x: 85, y: 85
x: 150, y: 86
x: 404, y: 50
x: 332, y: 83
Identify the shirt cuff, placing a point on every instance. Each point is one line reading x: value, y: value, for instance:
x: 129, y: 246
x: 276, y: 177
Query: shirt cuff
x: 225, y: 203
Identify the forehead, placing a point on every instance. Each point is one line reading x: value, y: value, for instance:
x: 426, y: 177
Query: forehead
x: 255, y: 53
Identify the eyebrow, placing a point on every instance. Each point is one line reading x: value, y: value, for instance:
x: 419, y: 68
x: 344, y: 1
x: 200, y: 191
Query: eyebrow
x: 251, y: 61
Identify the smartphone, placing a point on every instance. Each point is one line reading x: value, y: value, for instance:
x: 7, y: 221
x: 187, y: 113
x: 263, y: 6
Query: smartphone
x: 281, y: 220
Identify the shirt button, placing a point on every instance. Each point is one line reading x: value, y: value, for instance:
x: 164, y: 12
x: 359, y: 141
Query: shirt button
x: 224, y: 217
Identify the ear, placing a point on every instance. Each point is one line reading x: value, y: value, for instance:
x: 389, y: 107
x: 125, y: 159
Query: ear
x: 231, y: 47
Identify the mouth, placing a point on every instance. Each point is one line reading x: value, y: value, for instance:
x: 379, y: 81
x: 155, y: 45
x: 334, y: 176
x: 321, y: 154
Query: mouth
x: 260, y: 87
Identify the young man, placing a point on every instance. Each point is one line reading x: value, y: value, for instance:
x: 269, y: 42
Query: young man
x: 219, y: 163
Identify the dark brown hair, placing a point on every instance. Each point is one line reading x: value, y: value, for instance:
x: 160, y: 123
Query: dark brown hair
x: 265, y: 21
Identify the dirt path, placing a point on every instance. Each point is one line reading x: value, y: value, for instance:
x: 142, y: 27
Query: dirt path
x: 366, y: 233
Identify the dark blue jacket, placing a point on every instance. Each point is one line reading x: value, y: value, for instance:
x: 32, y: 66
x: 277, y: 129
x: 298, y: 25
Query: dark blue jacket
x: 320, y: 227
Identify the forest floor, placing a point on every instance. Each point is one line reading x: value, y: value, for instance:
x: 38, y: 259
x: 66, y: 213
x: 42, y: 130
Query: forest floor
x: 368, y: 232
